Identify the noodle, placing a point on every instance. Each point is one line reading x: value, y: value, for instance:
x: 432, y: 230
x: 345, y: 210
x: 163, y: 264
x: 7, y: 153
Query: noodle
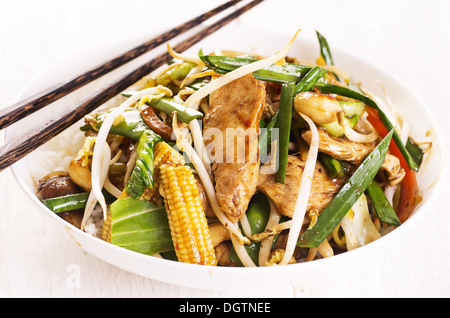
x: 303, y: 193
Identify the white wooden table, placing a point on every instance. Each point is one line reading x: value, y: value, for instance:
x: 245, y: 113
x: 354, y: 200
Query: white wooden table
x: 409, y: 37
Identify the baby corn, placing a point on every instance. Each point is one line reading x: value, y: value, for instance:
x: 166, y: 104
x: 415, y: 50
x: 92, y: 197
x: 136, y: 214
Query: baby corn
x: 187, y: 220
x: 164, y: 153
x: 106, y: 228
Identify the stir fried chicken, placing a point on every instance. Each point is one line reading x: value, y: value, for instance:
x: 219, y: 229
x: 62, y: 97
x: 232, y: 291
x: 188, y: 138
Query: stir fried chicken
x: 344, y: 149
x: 236, y: 107
x: 284, y: 196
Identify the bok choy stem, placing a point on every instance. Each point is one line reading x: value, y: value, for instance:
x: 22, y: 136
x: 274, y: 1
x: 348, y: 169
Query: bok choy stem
x: 142, y: 174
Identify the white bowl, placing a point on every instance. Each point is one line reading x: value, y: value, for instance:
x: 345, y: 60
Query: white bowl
x: 38, y: 163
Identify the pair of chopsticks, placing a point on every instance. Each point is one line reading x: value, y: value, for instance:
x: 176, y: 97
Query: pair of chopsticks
x: 21, y: 146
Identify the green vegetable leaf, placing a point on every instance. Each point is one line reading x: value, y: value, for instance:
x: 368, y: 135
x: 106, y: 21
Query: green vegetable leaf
x: 140, y: 226
x: 142, y: 174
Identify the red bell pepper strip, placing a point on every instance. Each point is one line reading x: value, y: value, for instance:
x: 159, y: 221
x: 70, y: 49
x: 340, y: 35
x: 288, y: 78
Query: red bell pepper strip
x: 409, y: 191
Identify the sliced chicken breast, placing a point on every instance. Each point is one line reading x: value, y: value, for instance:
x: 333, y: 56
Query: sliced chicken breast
x: 233, y: 119
x: 354, y: 152
x: 284, y: 196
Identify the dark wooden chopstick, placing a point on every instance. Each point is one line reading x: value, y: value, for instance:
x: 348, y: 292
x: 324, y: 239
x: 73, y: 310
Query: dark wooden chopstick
x: 19, y: 147
x: 23, y: 108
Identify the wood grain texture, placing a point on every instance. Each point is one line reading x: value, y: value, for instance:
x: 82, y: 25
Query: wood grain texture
x: 23, y: 108
x: 23, y: 145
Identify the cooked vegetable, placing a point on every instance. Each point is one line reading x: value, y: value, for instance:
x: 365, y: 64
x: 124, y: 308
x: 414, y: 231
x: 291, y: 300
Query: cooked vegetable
x: 352, y: 108
x: 155, y: 123
x: 358, y: 226
x: 352, y: 112
x: 322, y: 109
x: 80, y: 173
x: 56, y: 186
x: 187, y: 221
x: 335, y: 168
x: 257, y: 216
x: 346, y: 197
x: 140, y: 226
x: 274, y: 73
x: 169, y: 105
x: 225, y: 64
x: 142, y: 175
x: 325, y: 51
x: 334, y: 129
x: 284, y: 125
x: 106, y: 229
x: 117, y: 169
x: 130, y: 124
x: 311, y: 78
x: 381, y: 205
x: 165, y: 154
x: 67, y: 203
x: 174, y: 74
x: 409, y: 195
x: 266, y: 136
x: 415, y: 151
x: 343, y: 91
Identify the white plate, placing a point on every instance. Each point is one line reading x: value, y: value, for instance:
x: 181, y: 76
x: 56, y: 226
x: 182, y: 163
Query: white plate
x: 37, y: 164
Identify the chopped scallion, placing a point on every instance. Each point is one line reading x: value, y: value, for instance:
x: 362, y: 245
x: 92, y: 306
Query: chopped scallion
x: 346, y: 197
